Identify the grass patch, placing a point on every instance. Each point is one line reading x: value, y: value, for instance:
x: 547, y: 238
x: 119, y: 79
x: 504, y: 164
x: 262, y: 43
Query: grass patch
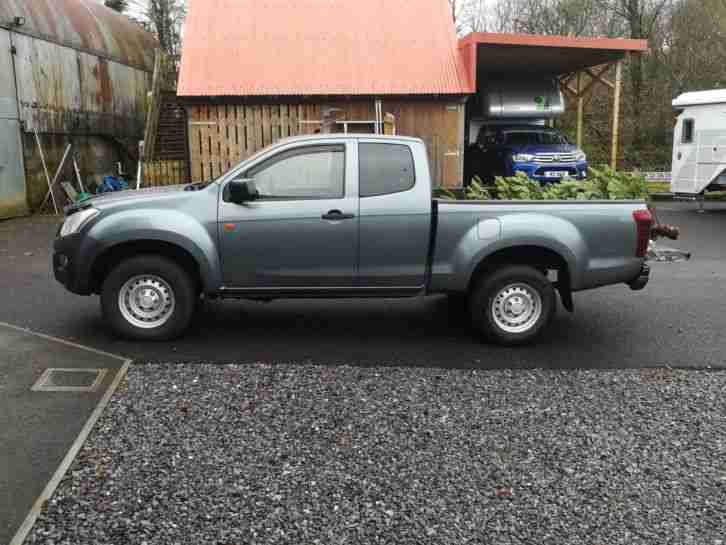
x: 659, y: 187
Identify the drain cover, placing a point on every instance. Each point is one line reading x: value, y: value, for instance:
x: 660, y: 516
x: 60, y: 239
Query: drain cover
x: 69, y: 380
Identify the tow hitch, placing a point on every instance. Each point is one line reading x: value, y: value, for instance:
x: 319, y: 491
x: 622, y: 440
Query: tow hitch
x: 665, y: 255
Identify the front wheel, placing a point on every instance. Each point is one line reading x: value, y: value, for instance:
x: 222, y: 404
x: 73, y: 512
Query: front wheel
x: 512, y: 305
x: 148, y: 298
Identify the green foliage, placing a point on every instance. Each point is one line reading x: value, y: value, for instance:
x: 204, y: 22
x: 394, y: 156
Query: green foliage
x: 444, y: 193
x: 603, y: 184
x: 615, y: 185
x: 476, y: 191
x: 518, y: 187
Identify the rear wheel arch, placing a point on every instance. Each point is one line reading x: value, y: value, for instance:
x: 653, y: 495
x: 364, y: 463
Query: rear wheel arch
x: 540, y: 257
x: 104, y: 263
x: 512, y: 305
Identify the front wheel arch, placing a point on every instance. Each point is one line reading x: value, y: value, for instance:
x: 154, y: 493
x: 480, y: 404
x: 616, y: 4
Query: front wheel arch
x: 158, y: 290
x: 111, y: 257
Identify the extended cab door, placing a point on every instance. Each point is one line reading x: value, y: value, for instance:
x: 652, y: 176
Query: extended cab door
x: 395, y: 214
x: 302, y: 233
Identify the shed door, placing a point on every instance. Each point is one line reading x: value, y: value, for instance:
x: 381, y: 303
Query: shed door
x: 12, y: 175
x: 453, y: 148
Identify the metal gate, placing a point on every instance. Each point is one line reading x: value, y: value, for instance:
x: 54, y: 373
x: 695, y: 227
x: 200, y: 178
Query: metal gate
x: 12, y: 173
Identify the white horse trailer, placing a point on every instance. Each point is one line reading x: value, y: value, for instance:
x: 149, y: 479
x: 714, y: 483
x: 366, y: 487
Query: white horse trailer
x: 699, y: 143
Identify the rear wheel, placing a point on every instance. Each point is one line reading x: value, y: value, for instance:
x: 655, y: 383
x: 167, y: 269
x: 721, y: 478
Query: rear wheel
x: 513, y: 304
x: 148, y: 298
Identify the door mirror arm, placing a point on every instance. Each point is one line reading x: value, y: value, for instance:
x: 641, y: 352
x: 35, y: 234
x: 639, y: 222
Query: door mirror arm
x: 243, y: 191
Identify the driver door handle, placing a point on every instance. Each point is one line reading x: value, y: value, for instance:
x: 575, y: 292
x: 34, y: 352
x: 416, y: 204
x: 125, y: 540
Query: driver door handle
x: 337, y: 215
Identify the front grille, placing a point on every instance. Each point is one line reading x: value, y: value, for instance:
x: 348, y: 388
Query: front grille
x: 555, y: 158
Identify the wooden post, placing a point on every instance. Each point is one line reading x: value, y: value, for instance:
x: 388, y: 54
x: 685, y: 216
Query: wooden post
x: 580, y: 110
x: 616, y: 115
x: 389, y: 124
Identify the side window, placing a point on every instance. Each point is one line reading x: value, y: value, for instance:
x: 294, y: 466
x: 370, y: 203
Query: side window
x: 385, y: 169
x: 311, y: 172
x: 687, y: 131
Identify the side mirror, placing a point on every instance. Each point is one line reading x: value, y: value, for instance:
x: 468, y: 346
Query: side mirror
x: 242, y: 191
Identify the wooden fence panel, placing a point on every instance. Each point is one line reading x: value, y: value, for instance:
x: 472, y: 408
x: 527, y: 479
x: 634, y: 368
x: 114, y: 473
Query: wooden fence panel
x: 161, y: 173
x: 221, y: 135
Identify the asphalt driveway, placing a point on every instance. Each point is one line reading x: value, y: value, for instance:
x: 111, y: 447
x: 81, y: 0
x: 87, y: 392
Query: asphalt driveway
x: 678, y: 320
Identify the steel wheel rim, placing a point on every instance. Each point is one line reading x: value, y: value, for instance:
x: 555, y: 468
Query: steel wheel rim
x: 146, y: 301
x: 516, y: 308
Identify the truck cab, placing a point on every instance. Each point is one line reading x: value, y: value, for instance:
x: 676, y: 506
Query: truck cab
x: 544, y: 154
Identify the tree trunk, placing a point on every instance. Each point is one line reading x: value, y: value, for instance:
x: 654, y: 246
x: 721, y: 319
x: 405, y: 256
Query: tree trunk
x: 636, y: 70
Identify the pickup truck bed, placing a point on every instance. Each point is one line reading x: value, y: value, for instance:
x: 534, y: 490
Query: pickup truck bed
x: 582, y: 233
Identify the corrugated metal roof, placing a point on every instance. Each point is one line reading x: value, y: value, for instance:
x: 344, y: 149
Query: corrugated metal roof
x: 320, y: 47
x: 85, y: 25
x: 568, y: 42
x: 487, y: 53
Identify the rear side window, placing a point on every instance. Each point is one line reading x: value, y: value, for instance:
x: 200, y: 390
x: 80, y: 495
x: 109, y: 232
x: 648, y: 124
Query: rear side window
x: 688, y: 127
x: 385, y: 169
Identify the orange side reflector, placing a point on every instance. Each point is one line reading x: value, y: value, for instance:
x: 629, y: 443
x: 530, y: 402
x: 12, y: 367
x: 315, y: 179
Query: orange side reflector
x: 229, y: 227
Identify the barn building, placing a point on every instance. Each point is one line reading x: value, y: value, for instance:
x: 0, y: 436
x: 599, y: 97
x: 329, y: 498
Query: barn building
x: 71, y: 71
x: 253, y: 72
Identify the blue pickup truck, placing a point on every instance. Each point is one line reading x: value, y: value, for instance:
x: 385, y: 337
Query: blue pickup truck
x: 544, y: 154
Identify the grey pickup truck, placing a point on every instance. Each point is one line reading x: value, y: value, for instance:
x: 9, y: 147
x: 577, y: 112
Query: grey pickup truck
x: 342, y: 216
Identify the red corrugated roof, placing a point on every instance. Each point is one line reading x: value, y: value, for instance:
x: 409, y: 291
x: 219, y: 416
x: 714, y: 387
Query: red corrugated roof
x: 320, y: 47
x: 538, y: 40
x: 489, y: 53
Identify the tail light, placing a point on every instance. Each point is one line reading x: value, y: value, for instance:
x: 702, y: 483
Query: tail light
x: 643, y: 223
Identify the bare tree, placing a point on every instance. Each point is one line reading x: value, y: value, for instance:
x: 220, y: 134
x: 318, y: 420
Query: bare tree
x: 473, y: 16
x: 562, y: 17
x: 165, y: 18
x: 640, y: 17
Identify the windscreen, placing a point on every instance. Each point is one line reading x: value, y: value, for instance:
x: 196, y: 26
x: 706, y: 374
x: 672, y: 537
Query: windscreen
x: 529, y: 138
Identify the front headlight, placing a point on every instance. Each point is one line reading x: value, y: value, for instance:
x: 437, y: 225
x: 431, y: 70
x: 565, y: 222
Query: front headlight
x: 523, y: 157
x: 75, y: 221
x: 580, y: 155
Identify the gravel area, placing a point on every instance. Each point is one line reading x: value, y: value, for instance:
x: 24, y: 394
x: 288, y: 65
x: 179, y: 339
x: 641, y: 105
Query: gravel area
x: 304, y: 454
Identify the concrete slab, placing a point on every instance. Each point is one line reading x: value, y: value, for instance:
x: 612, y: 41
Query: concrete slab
x: 41, y: 431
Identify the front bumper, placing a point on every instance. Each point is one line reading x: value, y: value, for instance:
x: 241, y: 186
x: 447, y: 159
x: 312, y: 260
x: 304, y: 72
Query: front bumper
x: 640, y: 281
x: 67, y: 264
x: 538, y: 171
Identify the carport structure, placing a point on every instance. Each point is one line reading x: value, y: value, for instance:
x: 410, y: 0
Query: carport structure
x: 578, y: 63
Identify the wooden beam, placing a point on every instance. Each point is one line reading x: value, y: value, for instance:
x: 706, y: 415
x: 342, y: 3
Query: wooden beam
x: 569, y: 91
x: 566, y: 80
x: 616, y: 115
x: 580, y: 110
x: 600, y: 76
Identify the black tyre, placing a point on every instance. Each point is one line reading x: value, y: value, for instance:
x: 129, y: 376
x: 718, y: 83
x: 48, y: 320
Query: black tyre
x: 458, y: 307
x: 512, y: 305
x: 148, y: 298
